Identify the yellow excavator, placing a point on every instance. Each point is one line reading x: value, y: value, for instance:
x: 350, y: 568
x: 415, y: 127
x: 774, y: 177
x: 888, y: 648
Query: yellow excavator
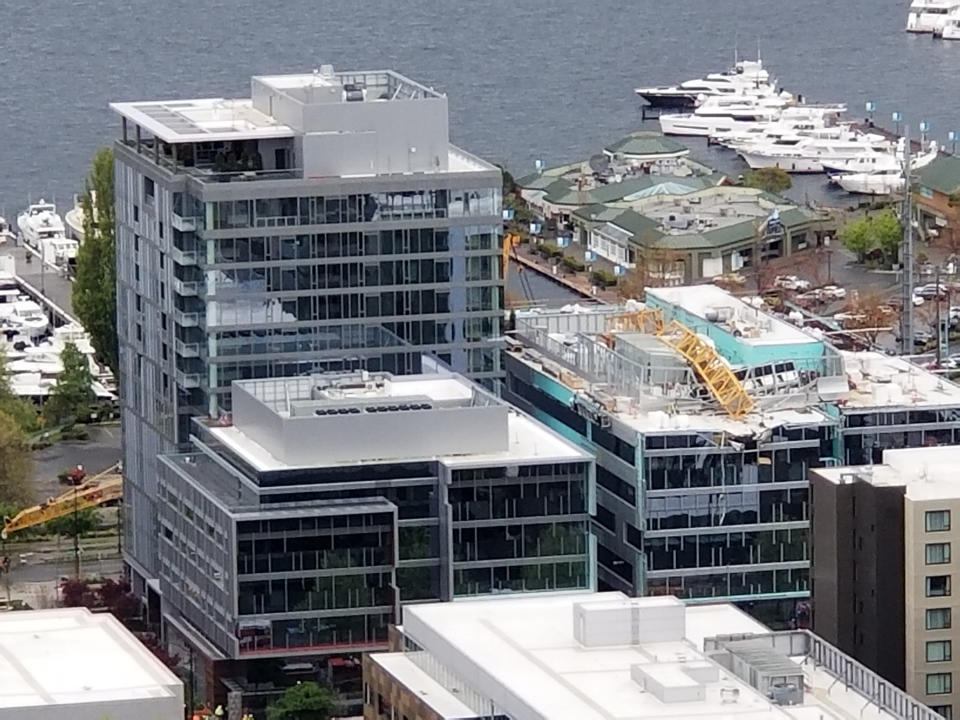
x: 101, y: 488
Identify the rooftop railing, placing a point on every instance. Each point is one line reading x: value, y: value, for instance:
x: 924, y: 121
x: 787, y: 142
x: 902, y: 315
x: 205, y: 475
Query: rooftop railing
x: 855, y: 676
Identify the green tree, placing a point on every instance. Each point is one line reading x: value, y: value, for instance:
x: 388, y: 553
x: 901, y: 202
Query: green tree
x: 771, y: 179
x: 856, y: 237
x: 16, y: 464
x: 73, y: 395
x: 887, y: 233
x: 81, y: 523
x: 94, y: 291
x: 23, y: 411
x: 880, y: 231
x: 303, y: 701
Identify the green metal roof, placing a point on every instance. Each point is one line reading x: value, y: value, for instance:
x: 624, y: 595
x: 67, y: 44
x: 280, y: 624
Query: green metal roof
x: 645, y: 143
x: 640, y: 226
x: 942, y: 175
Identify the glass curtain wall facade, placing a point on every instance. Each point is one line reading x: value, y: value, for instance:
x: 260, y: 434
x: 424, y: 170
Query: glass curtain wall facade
x: 223, y: 281
x: 680, y: 512
x: 317, y: 560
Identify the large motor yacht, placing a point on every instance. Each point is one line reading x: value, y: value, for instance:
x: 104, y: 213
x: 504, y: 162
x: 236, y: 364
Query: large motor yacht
x: 39, y: 221
x: 747, y: 77
x: 887, y: 181
x: 809, y: 155
x: 43, y: 229
x: 722, y: 115
x: 950, y: 30
x: 930, y: 16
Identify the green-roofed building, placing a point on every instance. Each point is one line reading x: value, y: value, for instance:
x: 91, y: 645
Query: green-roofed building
x: 645, y: 147
x: 936, y: 184
x: 698, y: 235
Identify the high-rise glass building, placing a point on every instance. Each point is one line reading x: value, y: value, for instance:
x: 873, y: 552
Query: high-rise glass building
x: 323, y: 223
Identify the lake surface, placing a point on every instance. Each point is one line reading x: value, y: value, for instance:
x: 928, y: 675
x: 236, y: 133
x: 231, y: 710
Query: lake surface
x: 526, y: 79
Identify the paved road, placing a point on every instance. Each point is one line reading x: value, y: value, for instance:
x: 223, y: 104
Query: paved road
x: 98, y: 453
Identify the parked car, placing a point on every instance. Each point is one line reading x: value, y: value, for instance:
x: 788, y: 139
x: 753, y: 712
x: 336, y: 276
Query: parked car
x: 931, y: 291
x: 849, y: 317
x: 832, y: 292
x: 922, y: 337
x: 809, y: 297
x: 791, y: 282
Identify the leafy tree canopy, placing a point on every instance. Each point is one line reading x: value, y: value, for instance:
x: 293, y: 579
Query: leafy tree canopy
x: 73, y: 395
x: 303, y: 701
x: 94, y: 291
x: 770, y: 179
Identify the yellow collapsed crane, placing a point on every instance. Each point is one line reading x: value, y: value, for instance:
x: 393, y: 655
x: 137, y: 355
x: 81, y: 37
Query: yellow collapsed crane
x: 706, y: 362
x: 99, y: 489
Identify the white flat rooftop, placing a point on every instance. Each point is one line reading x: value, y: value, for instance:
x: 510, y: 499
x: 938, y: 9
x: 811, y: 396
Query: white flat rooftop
x: 88, y: 663
x: 522, y: 654
x: 884, y: 381
x: 529, y: 441
x: 926, y: 473
x: 756, y: 327
x: 202, y: 120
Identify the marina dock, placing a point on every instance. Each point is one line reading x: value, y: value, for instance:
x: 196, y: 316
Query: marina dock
x: 45, y: 285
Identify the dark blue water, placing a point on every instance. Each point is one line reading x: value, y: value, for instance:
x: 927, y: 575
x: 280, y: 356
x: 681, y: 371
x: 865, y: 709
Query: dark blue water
x: 526, y: 79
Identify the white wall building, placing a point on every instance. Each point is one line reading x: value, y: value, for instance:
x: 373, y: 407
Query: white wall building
x: 600, y: 656
x: 70, y: 664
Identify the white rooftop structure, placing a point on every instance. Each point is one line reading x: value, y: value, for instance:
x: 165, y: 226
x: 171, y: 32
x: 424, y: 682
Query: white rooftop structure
x: 713, y: 304
x: 928, y: 473
x: 333, y: 124
x: 70, y: 664
x: 604, y: 656
x: 337, y: 419
x: 882, y: 381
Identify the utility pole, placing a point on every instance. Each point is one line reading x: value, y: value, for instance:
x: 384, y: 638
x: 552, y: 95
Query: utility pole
x: 906, y: 253
x: 76, y: 536
x: 939, y: 328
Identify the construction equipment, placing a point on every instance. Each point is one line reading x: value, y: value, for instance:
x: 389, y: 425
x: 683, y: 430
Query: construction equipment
x: 707, y: 363
x: 509, y: 252
x: 96, y: 491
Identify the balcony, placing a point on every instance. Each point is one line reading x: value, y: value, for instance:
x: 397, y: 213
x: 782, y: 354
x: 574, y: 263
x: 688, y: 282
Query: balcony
x: 188, y: 380
x: 190, y: 288
x: 187, y: 349
x: 185, y: 319
x: 183, y: 257
x: 184, y: 224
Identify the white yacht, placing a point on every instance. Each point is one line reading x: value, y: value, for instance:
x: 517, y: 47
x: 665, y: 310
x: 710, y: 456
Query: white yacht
x: 887, y: 181
x: 25, y: 318
x: 722, y: 115
x: 747, y: 77
x: 950, y: 30
x: 40, y: 221
x: 929, y: 16
x: 74, y: 219
x: 60, y: 250
x: 809, y: 154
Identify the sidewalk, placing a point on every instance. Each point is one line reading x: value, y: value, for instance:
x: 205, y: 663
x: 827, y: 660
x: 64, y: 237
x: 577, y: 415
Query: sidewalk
x: 579, y: 282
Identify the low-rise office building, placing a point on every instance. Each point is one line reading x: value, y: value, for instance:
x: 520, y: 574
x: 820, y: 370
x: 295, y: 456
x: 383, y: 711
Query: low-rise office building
x: 71, y: 664
x: 882, y: 567
x: 602, y: 656
x: 705, y: 414
x: 292, y: 535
